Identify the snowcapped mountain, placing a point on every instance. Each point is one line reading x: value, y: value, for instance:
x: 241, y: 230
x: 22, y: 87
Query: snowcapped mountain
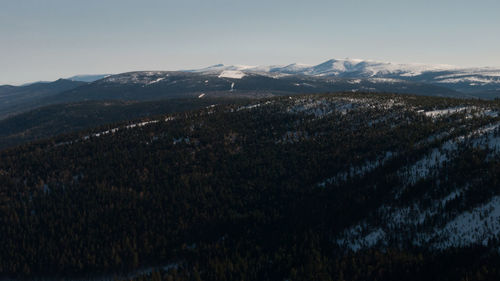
x: 339, y: 67
x: 335, y: 75
x: 478, y: 82
x: 356, y: 68
x: 469, y: 80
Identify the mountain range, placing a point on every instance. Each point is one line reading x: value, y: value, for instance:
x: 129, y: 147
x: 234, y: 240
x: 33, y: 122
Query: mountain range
x: 33, y: 111
x: 256, y: 81
x: 467, y: 80
x: 346, y: 170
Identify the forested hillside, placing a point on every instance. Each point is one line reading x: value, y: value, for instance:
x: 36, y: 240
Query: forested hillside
x: 53, y: 120
x: 346, y: 186
x: 157, y: 85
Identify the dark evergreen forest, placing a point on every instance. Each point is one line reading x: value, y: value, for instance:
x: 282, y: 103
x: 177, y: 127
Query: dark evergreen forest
x: 261, y: 191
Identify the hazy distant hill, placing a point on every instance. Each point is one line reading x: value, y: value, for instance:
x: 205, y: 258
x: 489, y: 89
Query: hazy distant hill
x: 15, y: 99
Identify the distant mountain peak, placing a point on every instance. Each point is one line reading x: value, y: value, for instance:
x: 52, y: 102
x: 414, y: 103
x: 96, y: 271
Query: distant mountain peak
x: 335, y: 67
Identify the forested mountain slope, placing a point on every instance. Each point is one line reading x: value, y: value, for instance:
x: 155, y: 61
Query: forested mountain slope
x: 155, y: 85
x: 308, y: 187
x: 52, y: 120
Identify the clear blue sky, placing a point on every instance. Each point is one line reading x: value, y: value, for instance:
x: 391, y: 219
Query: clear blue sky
x: 48, y: 39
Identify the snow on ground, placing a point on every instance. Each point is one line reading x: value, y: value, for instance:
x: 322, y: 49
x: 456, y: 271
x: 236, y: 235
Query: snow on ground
x: 471, y: 76
x: 435, y: 137
x: 357, y: 171
x: 222, y: 67
x: 315, y: 107
x: 141, y: 77
x: 415, y: 215
x: 106, y: 132
x: 443, y: 112
x: 355, y: 238
x: 114, y: 130
x: 366, y: 68
x: 471, y: 80
x: 412, y: 221
x: 452, y: 196
x: 485, y: 130
x: 471, y: 72
x: 384, y: 80
x: 490, y: 113
x: 476, y: 226
x: 426, y: 165
x: 342, y: 105
x: 141, y: 124
x: 487, y: 137
x: 252, y: 106
x: 235, y: 74
x: 156, y: 81
x: 484, y: 137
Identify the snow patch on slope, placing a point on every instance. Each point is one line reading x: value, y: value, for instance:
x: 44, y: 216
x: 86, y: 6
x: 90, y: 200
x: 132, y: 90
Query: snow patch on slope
x: 234, y: 74
x: 156, y: 81
x: 472, y: 227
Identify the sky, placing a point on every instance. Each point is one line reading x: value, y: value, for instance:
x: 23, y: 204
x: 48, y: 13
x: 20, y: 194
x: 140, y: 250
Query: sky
x: 43, y: 40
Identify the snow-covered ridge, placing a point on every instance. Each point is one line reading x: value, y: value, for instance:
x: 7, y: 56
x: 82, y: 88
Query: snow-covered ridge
x: 140, y: 77
x: 218, y: 68
x: 471, y: 77
x: 387, y: 72
x: 355, y: 70
x: 114, y: 130
x: 337, y: 67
